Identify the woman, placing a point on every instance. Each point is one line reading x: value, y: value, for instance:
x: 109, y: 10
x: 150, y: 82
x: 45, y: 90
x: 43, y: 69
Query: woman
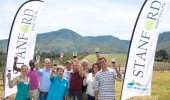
x: 89, y: 79
x: 22, y: 83
x: 59, y: 85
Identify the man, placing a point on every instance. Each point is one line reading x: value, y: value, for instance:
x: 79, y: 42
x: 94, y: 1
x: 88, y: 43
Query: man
x: 34, y: 79
x: 76, y: 77
x: 86, y: 70
x: 85, y: 65
x: 67, y: 71
x: 44, y: 75
x: 104, y: 85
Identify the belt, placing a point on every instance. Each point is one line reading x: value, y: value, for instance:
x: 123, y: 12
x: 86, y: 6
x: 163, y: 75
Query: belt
x: 43, y: 92
x: 33, y: 89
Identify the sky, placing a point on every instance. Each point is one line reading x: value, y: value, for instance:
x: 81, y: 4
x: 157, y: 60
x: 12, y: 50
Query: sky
x: 85, y: 17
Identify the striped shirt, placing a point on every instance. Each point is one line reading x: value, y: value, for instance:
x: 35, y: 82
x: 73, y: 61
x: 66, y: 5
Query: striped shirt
x: 105, y: 84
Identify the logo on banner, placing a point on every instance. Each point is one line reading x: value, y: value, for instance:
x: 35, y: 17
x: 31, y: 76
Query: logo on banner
x: 28, y: 21
x: 149, y: 25
x: 153, y: 17
x: 25, y: 28
x: 136, y: 86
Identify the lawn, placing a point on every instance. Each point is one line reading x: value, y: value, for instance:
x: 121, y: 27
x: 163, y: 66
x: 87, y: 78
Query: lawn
x: 160, y: 88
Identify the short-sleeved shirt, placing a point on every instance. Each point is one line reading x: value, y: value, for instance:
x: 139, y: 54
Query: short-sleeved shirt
x: 34, y: 79
x: 44, y: 75
x: 58, y: 88
x: 105, y: 84
x: 75, y: 82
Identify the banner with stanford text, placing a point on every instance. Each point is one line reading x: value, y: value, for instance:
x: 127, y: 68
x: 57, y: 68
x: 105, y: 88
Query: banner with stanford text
x: 22, y: 39
x: 139, y: 65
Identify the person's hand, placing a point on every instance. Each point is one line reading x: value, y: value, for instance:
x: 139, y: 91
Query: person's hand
x: 75, y: 59
x: 114, y: 66
x: 16, y: 58
x: 97, y: 55
x: 54, y: 68
x: 9, y: 76
x: 60, y: 59
x: 37, y: 64
x: 85, y: 75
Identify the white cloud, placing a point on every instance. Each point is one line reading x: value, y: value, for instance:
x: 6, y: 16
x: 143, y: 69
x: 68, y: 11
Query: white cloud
x: 87, y: 18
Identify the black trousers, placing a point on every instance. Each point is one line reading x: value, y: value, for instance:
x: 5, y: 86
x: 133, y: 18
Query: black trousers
x: 77, y: 95
x: 91, y: 97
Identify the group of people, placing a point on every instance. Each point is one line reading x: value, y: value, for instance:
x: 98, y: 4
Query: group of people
x: 77, y: 81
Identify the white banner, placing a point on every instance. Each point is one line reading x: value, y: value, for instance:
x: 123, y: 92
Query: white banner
x: 138, y: 73
x: 22, y: 39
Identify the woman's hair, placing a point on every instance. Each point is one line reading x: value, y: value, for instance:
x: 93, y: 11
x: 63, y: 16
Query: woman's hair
x: 23, y: 66
x: 60, y: 68
x: 97, y: 66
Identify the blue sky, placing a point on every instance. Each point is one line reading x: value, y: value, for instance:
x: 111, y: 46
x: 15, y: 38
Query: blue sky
x: 86, y: 17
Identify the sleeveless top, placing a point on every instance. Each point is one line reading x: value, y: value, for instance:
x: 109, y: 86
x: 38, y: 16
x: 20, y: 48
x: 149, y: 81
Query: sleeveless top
x: 22, y: 90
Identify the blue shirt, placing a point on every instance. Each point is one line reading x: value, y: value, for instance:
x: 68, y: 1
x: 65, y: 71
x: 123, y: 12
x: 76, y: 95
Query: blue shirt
x: 58, y: 88
x: 44, y: 79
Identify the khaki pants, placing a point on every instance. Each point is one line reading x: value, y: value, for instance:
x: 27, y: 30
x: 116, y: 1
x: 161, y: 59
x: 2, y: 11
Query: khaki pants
x: 84, y: 96
x: 34, y: 94
x: 68, y: 98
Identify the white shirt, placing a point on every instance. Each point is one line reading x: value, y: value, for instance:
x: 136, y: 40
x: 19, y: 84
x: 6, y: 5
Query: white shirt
x: 67, y: 75
x: 90, y: 81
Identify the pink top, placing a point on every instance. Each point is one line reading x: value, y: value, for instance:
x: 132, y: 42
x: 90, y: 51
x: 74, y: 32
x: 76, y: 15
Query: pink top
x: 34, y: 79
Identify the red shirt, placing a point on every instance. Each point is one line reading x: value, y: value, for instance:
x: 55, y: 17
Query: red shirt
x: 75, y: 82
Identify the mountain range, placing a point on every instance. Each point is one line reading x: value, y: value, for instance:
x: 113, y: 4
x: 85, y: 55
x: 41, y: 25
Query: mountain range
x: 69, y: 41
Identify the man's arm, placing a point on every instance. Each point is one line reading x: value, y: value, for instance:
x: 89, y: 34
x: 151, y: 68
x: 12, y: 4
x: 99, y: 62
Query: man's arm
x: 80, y: 69
x: 118, y: 73
x: 97, y: 56
x: 37, y: 68
x: 15, y: 65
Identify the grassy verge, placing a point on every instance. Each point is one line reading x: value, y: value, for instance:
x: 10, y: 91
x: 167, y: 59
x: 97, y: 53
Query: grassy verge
x: 160, y: 88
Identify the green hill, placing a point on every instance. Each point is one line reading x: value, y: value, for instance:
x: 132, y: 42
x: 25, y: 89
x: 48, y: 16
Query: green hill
x: 164, y: 41
x: 68, y: 41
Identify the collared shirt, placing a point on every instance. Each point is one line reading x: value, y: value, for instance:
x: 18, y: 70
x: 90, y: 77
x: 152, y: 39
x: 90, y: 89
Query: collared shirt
x: 44, y: 79
x: 34, y: 79
x: 75, y: 82
x: 58, y: 88
x: 105, y: 84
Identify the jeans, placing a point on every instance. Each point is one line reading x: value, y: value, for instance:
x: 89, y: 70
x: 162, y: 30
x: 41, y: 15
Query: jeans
x: 42, y: 96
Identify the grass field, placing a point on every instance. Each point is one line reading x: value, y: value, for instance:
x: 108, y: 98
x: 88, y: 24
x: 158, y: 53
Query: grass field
x: 120, y: 59
x: 160, y: 88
